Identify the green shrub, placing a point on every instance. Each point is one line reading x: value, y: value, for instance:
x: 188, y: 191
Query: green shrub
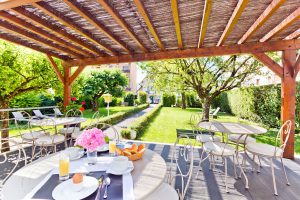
x: 168, y: 100
x: 30, y: 99
x: 129, y: 98
x: 142, y: 122
x: 114, y: 102
x: 126, y: 133
x: 222, y: 102
x: 192, y: 100
x: 143, y: 97
x: 137, y: 102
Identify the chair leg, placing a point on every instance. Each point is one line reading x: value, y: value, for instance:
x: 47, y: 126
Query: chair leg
x: 201, y: 160
x: 243, y: 164
x: 254, y: 164
x: 234, y: 167
x: 225, y: 162
x: 273, y: 176
x: 287, y: 180
x: 259, y: 163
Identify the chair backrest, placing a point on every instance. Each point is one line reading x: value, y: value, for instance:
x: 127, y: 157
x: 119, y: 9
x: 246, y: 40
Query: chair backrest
x: 74, y: 113
x: 109, y: 130
x: 216, y: 111
x: 183, y: 158
x: 18, y: 115
x: 38, y: 113
x: 12, y: 157
x: 23, y: 123
x: 57, y: 112
x: 285, y: 130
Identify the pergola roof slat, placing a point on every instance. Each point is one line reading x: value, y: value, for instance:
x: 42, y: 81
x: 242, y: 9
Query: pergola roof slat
x: 174, y: 7
x: 122, y: 23
x: 15, y: 3
x: 47, y: 10
x: 293, y: 35
x: 233, y: 20
x: 274, y: 5
x: 23, y: 33
x: 204, y: 22
x: 54, y: 29
x: 283, y: 24
x: 84, y: 14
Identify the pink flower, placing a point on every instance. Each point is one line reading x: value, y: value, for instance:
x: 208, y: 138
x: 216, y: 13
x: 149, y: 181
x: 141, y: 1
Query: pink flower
x: 73, y: 99
x: 91, y: 139
x: 83, y: 103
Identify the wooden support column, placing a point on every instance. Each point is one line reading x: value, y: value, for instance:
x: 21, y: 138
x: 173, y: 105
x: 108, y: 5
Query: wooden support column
x: 288, y: 98
x: 67, y: 85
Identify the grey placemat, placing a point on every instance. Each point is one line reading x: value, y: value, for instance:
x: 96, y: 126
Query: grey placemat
x: 115, y: 189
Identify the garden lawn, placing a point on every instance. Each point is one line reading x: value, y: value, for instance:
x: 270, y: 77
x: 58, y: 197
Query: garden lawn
x: 163, y: 127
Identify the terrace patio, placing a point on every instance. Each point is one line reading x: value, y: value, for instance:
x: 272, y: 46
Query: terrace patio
x: 90, y: 32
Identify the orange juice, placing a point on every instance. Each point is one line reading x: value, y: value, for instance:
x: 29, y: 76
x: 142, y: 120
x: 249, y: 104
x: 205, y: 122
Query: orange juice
x: 64, y: 167
x: 112, y: 147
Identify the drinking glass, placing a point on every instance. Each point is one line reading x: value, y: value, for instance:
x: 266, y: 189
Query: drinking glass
x: 112, y: 147
x: 64, y: 166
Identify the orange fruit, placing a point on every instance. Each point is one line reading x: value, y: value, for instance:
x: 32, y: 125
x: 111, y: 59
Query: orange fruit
x: 77, y: 178
x: 142, y: 146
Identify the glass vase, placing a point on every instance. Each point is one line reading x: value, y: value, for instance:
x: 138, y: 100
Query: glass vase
x: 92, y: 157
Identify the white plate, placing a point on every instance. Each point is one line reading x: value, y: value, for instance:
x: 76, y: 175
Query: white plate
x: 80, y: 154
x: 103, y: 148
x: 64, y: 190
x: 115, y: 172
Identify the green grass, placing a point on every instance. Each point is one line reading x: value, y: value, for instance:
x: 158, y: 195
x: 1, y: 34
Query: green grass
x: 163, y: 127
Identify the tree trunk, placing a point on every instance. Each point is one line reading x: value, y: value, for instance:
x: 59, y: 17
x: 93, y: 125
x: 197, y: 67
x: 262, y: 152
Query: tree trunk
x: 4, y: 127
x: 183, y: 100
x: 205, y: 112
x: 95, y: 104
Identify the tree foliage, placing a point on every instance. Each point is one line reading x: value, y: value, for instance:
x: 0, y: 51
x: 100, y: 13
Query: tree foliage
x: 101, y: 82
x: 208, y: 77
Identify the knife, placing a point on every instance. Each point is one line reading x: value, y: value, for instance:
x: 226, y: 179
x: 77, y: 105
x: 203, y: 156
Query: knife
x: 100, y: 181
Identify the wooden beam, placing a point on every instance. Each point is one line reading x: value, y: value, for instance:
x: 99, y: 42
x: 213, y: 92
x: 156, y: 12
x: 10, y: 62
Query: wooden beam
x: 34, y: 19
x: 285, y: 23
x: 204, y: 22
x: 54, y: 66
x: 270, y: 63
x: 67, y: 86
x: 76, y: 74
x: 52, y: 13
x: 293, y: 35
x: 174, y: 7
x: 91, y: 19
x: 142, y: 11
x: 288, y: 100
x: 268, y: 12
x: 297, y: 66
x: 233, y: 20
x: 31, y: 28
x: 17, y: 41
x: 193, y: 53
x: 122, y: 23
x: 15, y: 3
x: 35, y: 38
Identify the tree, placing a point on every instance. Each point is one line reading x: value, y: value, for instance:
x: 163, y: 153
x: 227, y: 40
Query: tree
x: 21, y: 71
x: 101, y: 82
x: 208, y: 77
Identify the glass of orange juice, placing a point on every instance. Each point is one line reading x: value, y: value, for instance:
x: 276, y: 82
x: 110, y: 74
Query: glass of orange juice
x: 112, y: 147
x: 64, y: 166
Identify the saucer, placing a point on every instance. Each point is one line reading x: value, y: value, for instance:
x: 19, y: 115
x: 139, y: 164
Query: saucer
x: 80, y: 154
x: 130, y: 168
x: 64, y: 191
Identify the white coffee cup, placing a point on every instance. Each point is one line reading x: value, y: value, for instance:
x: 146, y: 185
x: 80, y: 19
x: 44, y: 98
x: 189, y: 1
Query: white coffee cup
x: 73, y: 152
x: 120, y: 163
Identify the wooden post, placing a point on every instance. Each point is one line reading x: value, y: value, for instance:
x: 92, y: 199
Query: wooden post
x: 288, y: 98
x: 67, y: 85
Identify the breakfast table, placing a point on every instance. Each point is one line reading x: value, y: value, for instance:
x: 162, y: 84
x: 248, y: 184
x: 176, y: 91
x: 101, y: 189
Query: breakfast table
x: 148, y: 174
x: 243, y: 130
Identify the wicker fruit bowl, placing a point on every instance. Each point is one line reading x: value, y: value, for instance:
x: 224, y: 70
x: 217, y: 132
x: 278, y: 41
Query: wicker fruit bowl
x: 133, y: 153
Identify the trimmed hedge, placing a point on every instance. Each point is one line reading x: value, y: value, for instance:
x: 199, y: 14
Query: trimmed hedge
x: 168, y: 100
x: 261, y: 104
x: 142, y: 97
x: 129, y: 98
x: 142, y: 122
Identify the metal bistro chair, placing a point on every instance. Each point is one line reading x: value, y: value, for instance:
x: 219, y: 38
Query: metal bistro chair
x: 29, y: 136
x: 218, y: 149
x: 5, y: 158
x: 57, y: 112
x: 180, y: 171
x: 67, y: 131
x: 272, y: 152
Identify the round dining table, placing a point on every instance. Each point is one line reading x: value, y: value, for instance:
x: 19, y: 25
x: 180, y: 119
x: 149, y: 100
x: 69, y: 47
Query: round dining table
x: 234, y: 128
x: 148, y: 174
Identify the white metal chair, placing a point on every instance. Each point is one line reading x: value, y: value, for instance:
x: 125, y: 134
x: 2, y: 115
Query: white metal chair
x: 76, y: 127
x: 218, y: 149
x: 203, y: 138
x: 272, y: 152
x: 4, y: 158
x: 214, y: 114
x: 74, y: 113
x: 28, y: 135
x: 39, y: 114
x: 181, y: 167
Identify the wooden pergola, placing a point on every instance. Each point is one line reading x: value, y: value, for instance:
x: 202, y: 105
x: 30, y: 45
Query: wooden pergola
x: 95, y: 32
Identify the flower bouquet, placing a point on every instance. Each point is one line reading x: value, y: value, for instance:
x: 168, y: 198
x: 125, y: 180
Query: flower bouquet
x: 91, y: 139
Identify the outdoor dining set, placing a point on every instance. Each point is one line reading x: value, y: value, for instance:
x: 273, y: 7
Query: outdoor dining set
x: 107, y: 167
